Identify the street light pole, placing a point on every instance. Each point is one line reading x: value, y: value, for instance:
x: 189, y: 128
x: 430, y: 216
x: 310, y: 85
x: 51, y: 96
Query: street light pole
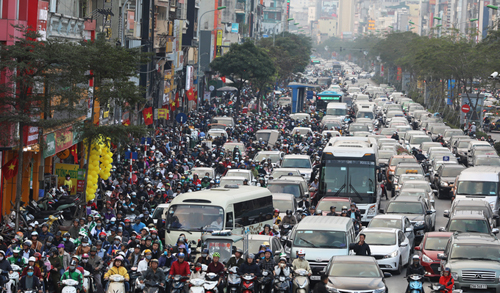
x: 199, y: 43
x: 274, y: 30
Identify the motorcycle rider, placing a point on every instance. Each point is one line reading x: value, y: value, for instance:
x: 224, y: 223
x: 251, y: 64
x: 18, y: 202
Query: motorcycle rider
x: 288, y: 219
x: 204, y: 258
x: 440, y: 138
x: 300, y: 262
x: 180, y: 267
x: 117, y: 269
x: 218, y: 268
x: 332, y: 211
x: 73, y: 273
x: 154, y: 274
x: 249, y: 267
x: 303, y: 203
x: 281, y: 269
x: 395, y: 136
x: 415, y: 267
x: 97, y: 264
x: 267, y: 264
x: 30, y: 282
x: 276, y: 217
x: 17, y: 259
x: 353, y: 213
x: 447, y: 281
x: 236, y: 260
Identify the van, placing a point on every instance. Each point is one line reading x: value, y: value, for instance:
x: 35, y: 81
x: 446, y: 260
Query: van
x: 268, y: 135
x: 475, y: 143
x: 336, y: 109
x: 321, y: 238
x: 284, y: 101
x: 479, y: 183
x: 229, y: 121
x: 300, y: 116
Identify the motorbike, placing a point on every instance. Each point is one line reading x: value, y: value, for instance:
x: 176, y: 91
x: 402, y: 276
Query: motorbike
x: 116, y: 284
x: 14, y: 277
x: 438, y: 288
x: 248, y: 285
x: 211, y: 281
x: 178, y: 284
x: 196, y: 286
x: 134, y: 280
x: 301, y: 281
x: 70, y: 286
x: 233, y: 280
x: 265, y: 280
x: 87, y: 281
x: 415, y: 283
x: 281, y: 284
x: 151, y: 287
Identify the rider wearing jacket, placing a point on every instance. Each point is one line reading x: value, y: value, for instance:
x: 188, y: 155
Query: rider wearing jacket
x: 415, y: 268
x: 249, y: 266
x: 447, y: 281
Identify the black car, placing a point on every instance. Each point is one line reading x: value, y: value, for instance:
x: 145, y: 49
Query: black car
x: 445, y: 178
x: 421, y: 215
x: 352, y: 273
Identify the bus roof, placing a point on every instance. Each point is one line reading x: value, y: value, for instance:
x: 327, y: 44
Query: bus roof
x: 219, y: 196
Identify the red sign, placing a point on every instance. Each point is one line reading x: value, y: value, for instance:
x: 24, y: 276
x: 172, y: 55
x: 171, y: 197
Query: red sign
x: 80, y: 185
x: 465, y: 108
x: 30, y: 135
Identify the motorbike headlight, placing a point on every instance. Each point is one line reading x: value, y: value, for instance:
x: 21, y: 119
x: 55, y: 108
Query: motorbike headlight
x: 331, y: 289
x: 392, y: 254
x: 396, y: 180
x: 425, y: 258
x: 445, y: 184
x: 380, y: 290
x: 391, y: 172
x: 454, y: 275
x: 372, y: 210
x: 419, y: 224
x: 282, y: 279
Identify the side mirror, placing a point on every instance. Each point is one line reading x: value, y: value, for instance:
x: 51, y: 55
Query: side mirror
x: 403, y: 244
x: 409, y: 230
x: 417, y: 248
x: 277, y: 252
x: 441, y: 256
x: 387, y: 275
x: 428, y: 174
x: 435, y: 191
x: 381, y: 211
x: 430, y: 212
x: 495, y: 216
x: 446, y: 213
x: 442, y: 229
x: 495, y: 231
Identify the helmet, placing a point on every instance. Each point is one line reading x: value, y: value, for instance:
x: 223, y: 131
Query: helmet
x: 34, y: 233
x: 301, y: 251
x: 32, y: 258
x: 473, y: 123
x: 147, y: 251
x: 283, y: 258
x: 154, y: 260
x: 240, y: 251
x: 416, y: 257
x: 181, y: 255
x: 27, y: 242
x: 288, y: 212
x: 85, y: 255
x: 67, y: 234
x: 447, y: 270
x: 216, y: 254
x: 277, y: 210
x: 53, y: 249
x: 93, y: 249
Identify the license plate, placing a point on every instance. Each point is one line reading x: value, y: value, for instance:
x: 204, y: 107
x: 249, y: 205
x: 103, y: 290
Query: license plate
x: 478, y: 286
x: 439, y: 269
x: 315, y: 278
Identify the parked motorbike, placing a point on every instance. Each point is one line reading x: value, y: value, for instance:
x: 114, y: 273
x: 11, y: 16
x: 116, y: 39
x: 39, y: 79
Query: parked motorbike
x: 415, y: 283
x: 233, y: 280
x: 281, y: 284
x: 248, y: 285
x: 301, y: 281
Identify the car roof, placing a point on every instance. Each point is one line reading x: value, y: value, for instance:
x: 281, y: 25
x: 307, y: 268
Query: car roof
x: 297, y: 156
x: 283, y: 196
x: 438, y: 234
x: 378, y: 229
x: 413, y: 190
x: 467, y: 214
x: 389, y: 216
x: 319, y: 223
x: 334, y: 198
x: 282, y: 181
x: 474, y: 238
x: 408, y: 199
x: 353, y: 258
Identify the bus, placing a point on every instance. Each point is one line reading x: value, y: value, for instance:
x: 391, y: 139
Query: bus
x: 349, y: 169
x: 325, y: 97
x: 233, y: 207
x: 337, y: 66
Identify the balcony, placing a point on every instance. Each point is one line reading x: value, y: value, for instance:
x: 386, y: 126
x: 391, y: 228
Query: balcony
x: 240, y: 8
x: 64, y: 26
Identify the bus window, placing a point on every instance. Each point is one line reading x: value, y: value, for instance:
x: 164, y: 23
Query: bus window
x: 229, y: 221
x: 253, y: 211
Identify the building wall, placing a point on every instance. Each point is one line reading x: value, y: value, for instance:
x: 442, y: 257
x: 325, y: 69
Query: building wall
x: 327, y: 27
x: 346, y: 16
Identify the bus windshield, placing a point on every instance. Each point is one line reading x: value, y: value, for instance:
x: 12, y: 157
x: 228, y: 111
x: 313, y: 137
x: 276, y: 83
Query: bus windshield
x: 195, y: 217
x: 349, y: 178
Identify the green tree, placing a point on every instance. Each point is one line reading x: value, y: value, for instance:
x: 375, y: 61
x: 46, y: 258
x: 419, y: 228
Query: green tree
x: 244, y: 62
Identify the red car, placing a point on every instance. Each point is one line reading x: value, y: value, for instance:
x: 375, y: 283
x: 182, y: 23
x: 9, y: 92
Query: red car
x: 432, y: 244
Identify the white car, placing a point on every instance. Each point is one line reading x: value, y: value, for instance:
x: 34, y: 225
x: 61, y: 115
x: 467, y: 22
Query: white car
x: 301, y: 162
x: 389, y: 246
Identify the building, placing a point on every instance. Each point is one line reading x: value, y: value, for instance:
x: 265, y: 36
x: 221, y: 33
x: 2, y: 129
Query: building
x: 346, y: 16
x: 327, y: 28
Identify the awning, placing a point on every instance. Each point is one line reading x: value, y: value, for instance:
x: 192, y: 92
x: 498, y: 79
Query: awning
x: 60, y: 140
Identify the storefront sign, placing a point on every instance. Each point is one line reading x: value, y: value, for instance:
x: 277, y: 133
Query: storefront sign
x: 73, y: 171
x: 59, y: 141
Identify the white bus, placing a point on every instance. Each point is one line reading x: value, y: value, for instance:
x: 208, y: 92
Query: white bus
x: 236, y: 208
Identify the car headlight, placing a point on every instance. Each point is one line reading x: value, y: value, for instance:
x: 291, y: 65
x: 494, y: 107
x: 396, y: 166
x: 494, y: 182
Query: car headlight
x: 392, y: 254
x: 419, y: 224
x: 454, y: 275
x: 380, y: 290
x: 372, y: 210
x: 425, y: 258
x: 445, y: 184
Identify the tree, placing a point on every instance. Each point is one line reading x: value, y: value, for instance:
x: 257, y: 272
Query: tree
x: 244, y: 62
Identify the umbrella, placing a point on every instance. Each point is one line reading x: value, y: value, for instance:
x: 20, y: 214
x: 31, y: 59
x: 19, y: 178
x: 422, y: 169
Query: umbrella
x: 227, y: 89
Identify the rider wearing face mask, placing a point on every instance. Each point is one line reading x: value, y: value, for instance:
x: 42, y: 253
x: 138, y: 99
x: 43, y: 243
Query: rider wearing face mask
x: 84, y: 247
x: 29, y: 282
x: 116, y: 245
x: 69, y: 246
x: 204, y: 259
x: 72, y: 273
x: 144, y: 263
x: 301, y: 262
x: 155, y: 238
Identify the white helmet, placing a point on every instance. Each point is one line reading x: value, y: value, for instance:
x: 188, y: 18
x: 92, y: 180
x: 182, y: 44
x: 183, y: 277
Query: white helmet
x: 301, y: 251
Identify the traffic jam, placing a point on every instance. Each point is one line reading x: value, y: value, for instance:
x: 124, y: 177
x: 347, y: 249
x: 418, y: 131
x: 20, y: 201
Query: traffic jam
x: 360, y: 189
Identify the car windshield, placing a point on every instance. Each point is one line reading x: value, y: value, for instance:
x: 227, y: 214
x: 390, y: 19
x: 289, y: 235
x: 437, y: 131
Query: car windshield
x: 469, y: 225
x: 463, y: 144
x: 419, y: 139
x: 320, y: 239
x: 365, y: 115
x: 486, y: 152
x: 158, y: 213
x: 387, y: 131
x: 358, y: 127
x: 277, y: 173
x: 475, y: 251
x: 274, y: 157
x: 336, y: 112
x: 451, y: 172
x: 411, y: 193
x: 263, y: 135
x: 477, y: 188
x: 385, y: 155
x: 380, y: 238
x: 396, y: 161
x: 195, y: 217
x: 385, y: 223
x: 487, y: 161
x: 282, y: 205
x: 285, y: 188
x: 296, y: 163
x: 436, y: 243
x: 405, y: 208
x: 354, y: 270
x: 467, y: 207
x: 403, y: 179
x: 332, y: 123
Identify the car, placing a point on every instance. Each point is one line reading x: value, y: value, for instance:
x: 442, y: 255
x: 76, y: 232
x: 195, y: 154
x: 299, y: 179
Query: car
x: 445, y: 177
x: 468, y: 222
x: 301, y: 162
x: 474, y: 261
x: 287, y: 186
x: 480, y: 151
x: 325, y: 203
x: 160, y: 213
x: 275, y: 157
x: 460, y: 147
x: 406, y: 168
x: 352, y: 273
x: 247, y: 174
x: 420, y: 184
x: 232, y: 180
x: 418, y: 192
x: 394, y: 221
x: 432, y: 244
x: 389, y: 246
x: 284, y: 202
x: 407, y: 177
x: 256, y: 240
x: 473, y: 204
x: 417, y: 210
x: 393, y: 162
x: 485, y: 160
x: 278, y: 172
x: 416, y: 140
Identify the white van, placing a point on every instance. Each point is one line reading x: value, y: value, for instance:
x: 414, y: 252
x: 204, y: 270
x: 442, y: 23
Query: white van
x: 336, y: 110
x: 300, y: 116
x: 479, y: 182
x: 235, y: 208
x: 321, y: 238
x: 229, y: 121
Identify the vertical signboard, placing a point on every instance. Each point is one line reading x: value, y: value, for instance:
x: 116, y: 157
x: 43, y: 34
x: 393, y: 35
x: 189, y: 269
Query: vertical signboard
x: 218, y: 51
x: 179, y: 56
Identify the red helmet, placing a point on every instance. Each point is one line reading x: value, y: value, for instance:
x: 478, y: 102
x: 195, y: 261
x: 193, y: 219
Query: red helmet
x: 127, y: 220
x: 37, y: 255
x: 277, y: 211
x: 102, y: 234
x: 138, y: 237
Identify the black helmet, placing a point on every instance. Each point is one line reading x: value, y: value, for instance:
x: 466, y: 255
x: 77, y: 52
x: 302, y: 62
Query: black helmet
x: 85, y: 239
x: 66, y: 234
x: 50, y: 239
x: 53, y: 249
x: 98, y: 242
x: 93, y: 249
x: 333, y: 207
x: 288, y: 212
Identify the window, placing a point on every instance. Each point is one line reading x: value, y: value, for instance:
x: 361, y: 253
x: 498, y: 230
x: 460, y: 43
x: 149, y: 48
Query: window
x: 229, y: 221
x: 253, y: 211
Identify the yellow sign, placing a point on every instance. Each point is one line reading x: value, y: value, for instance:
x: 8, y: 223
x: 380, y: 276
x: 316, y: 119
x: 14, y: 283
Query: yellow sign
x: 162, y: 113
x: 67, y: 169
x: 219, y: 37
